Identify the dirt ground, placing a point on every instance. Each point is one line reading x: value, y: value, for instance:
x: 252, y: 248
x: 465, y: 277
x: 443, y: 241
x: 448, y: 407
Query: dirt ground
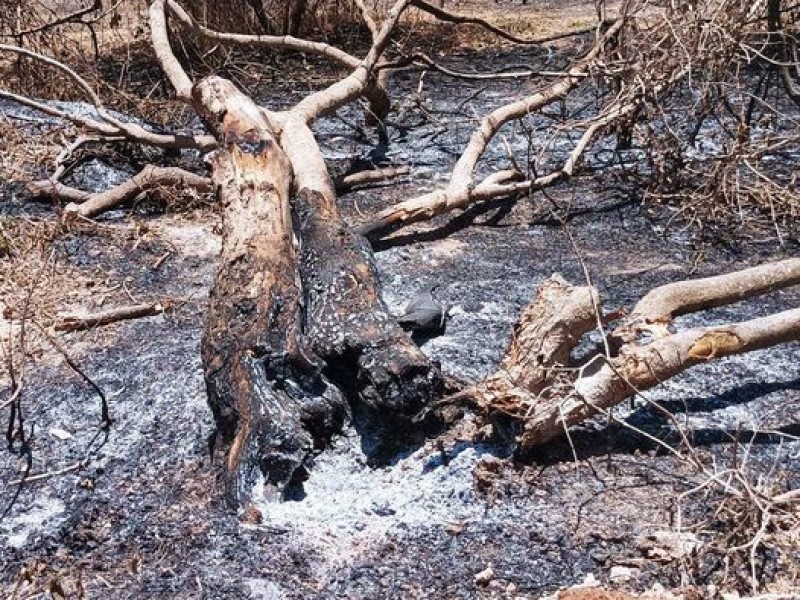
x: 143, y: 517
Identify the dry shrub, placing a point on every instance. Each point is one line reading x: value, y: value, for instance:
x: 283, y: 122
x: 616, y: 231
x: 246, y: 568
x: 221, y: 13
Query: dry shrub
x: 109, y: 48
x: 720, y: 137
x: 23, y: 156
x: 748, y: 525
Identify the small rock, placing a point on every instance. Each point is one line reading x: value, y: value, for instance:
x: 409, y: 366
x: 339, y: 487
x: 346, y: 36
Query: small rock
x: 665, y: 546
x: 59, y: 434
x: 589, y: 581
x: 657, y: 589
x: 454, y: 527
x: 599, y: 556
x: 382, y: 509
x: 619, y: 573
x: 252, y: 515
x: 485, y: 576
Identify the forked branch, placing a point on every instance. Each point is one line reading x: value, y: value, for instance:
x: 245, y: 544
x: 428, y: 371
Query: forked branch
x: 542, y: 387
x: 462, y: 190
x: 86, y: 204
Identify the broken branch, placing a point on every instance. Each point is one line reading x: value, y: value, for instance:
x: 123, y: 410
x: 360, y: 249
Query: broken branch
x: 78, y: 322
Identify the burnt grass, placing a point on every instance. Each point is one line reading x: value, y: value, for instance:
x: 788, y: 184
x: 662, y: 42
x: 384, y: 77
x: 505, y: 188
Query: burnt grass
x: 145, y: 517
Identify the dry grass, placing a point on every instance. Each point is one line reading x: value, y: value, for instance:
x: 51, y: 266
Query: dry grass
x: 22, y: 156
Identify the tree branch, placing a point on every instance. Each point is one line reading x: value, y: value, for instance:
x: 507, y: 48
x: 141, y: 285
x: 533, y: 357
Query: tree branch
x: 450, y: 17
x: 664, y: 303
x: 166, y: 57
x: 353, y: 180
x: 90, y: 205
x: 358, y: 82
x: 78, y: 322
x: 285, y: 42
x: 540, y: 386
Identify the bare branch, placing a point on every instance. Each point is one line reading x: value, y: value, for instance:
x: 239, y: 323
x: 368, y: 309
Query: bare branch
x: 285, y: 42
x: 50, y: 188
x: 77, y: 322
x: 358, y: 82
x: 86, y: 204
x: 166, y: 57
x: 91, y: 124
x: 422, y: 60
x: 110, y: 125
x: 68, y: 18
x: 639, y: 368
x: 460, y: 191
x: 82, y: 83
x: 450, y: 17
x: 366, y: 14
x: 664, y: 303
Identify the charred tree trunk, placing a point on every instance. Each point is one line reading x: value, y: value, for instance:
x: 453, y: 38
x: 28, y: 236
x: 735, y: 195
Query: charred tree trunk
x: 296, y: 303
x: 367, y: 352
x: 265, y: 387
x: 347, y: 322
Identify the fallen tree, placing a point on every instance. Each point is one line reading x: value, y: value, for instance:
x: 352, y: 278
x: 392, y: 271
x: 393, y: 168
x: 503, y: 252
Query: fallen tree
x: 297, y: 333
x: 544, y: 389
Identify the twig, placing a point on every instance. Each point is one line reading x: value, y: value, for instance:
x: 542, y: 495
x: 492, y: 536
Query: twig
x: 75, y: 322
x: 78, y: 465
x: 105, y: 418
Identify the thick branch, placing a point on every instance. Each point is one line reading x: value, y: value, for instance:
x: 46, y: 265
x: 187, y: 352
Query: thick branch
x: 543, y: 337
x: 166, y: 57
x: 349, y: 325
x: 539, y: 386
x: 49, y: 188
x: 664, y: 303
x: 265, y: 387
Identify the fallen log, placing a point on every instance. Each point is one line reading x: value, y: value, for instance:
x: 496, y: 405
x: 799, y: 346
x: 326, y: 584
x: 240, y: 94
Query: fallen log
x: 270, y: 400
x: 281, y: 323
x: 285, y: 322
x: 350, y: 327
